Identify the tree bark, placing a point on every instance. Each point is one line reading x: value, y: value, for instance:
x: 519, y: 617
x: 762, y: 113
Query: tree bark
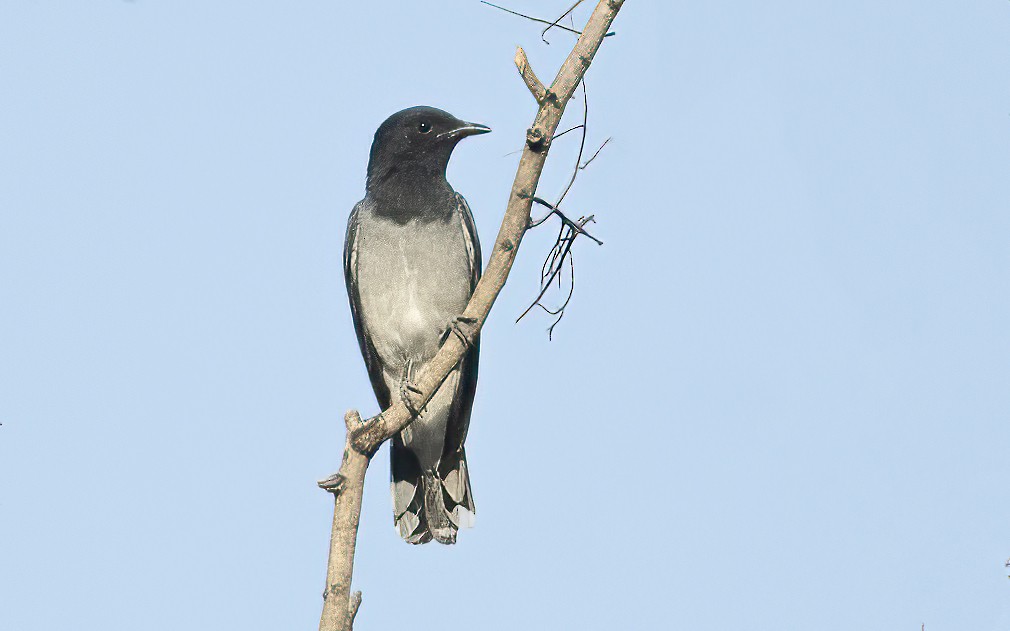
x: 363, y: 438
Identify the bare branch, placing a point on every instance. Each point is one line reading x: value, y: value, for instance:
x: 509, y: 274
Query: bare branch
x: 513, y: 226
x: 363, y: 438
x: 528, y: 17
x: 337, y: 603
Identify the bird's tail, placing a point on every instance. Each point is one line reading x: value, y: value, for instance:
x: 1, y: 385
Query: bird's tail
x: 431, y: 504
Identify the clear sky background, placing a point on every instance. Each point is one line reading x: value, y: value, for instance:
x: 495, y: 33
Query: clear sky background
x: 780, y: 398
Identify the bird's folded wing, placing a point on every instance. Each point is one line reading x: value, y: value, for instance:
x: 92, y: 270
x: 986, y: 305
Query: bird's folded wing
x: 372, y: 362
x: 472, y: 242
x: 462, y: 405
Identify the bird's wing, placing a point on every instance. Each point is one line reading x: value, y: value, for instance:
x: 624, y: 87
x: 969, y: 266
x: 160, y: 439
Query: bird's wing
x: 372, y: 362
x: 472, y: 242
x: 459, y: 416
x: 452, y: 468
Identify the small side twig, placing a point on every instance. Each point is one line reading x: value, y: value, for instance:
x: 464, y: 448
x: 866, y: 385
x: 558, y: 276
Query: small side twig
x: 543, y: 33
x: 534, y: 84
x: 577, y: 226
x: 587, y: 162
x: 553, y: 138
x: 582, y: 143
x: 353, y: 606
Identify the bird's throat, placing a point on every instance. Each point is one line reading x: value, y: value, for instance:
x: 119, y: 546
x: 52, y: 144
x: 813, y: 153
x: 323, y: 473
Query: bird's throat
x: 408, y: 194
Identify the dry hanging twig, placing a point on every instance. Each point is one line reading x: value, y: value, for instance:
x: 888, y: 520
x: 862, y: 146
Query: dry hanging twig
x: 561, y: 251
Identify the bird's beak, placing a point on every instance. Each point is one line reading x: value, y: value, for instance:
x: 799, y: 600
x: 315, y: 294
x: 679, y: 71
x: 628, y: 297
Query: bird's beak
x: 466, y: 129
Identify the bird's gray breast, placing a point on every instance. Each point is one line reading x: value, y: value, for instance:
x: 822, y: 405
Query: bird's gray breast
x: 413, y: 280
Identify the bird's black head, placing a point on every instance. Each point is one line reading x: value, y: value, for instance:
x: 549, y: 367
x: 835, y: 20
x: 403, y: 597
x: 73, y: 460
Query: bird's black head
x: 416, y: 142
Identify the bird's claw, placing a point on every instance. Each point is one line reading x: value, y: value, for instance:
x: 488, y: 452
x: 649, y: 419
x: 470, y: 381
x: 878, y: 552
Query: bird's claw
x: 409, y: 393
x: 463, y: 327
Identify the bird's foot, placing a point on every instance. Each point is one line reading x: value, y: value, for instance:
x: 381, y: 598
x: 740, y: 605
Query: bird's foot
x: 409, y: 393
x: 463, y: 327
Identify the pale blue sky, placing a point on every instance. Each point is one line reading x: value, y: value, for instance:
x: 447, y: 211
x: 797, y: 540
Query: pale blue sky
x: 779, y: 399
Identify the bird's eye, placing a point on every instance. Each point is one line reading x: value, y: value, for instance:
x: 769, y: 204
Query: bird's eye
x: 423, y: 127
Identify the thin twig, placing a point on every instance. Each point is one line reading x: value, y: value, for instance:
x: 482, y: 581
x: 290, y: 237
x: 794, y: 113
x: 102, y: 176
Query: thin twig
x: 555, y: 260
x: 582, y: 143
x: 553, y: 138
x: 554, y: 210
x: 529, y: 17
x: 587, y: 162
x: 555, y: 22
x: 556, y: 136
x: 571, y: 292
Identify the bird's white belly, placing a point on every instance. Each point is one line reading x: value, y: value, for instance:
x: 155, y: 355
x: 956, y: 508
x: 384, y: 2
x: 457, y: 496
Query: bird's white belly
x: 418, y: 283
x: 418, y: 280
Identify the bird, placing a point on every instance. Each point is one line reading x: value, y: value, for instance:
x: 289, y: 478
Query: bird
x: 411, y: 262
